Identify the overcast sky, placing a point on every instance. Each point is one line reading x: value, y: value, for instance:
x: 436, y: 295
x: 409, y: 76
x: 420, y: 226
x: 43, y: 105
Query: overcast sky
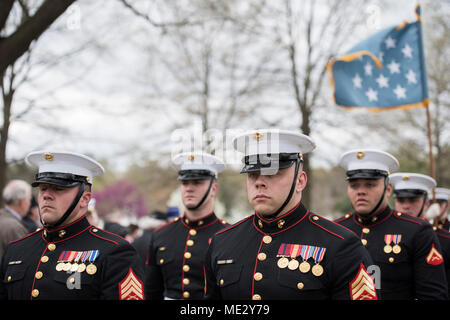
x: 99, y: 96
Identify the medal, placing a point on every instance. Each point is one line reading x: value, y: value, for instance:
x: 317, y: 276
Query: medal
x: 317, y: 270
x: 59, y: 266
x: 388, y: 240
x: 81, y: 267
x: 318, y: 256
x: 304, y: 267
x: 67, y: 266
x: 397, y: 249
x: 74, y: 267
x: 283, y: 262
x: 293, y: 264
x: 91, y: 269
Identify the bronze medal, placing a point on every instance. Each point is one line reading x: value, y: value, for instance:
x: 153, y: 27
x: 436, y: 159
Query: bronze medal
x: 317, y: 270
x: 81, y: 267
x: 387, y: 249
x: 283, y: 262
x: 396, y: 249
x: 293, y: 264
x: 91, y: 269
x: 304, y: 267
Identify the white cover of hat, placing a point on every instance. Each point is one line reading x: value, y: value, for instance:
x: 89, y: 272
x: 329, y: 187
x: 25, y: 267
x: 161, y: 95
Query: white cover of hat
x: 370, y: 159
x: 281, y: 141
x: 65, y: 162
x: 198, y: 161
x: 415, y: 181
x: 442, y: 194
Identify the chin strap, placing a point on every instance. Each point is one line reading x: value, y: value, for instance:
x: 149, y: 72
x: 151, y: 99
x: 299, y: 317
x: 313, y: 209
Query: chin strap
x: 291, y: 192
x: 375, y: 209
x: 68, y: 211
x: 423, y: 205
x: 204, y: 197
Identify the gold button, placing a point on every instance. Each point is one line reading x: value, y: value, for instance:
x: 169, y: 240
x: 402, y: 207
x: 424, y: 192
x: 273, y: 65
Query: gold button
x: 200, y: 222
x: 51, y: 246
x: 61, y: 233
x: 192, y: 232
x: 221, y: 282
x: 256, y: 297
x: 186, y: 294
x: 300, y: 285
x: 366, y: 230
x: 161, y: 261
x: 38, y: 275
x: 190, y: 243
x: 186, y: 268
x: 187, y: 255
x: 186, y: 281
x: 35, y: 293
x: 364, y: 241
x: 315, y: 218
x: 391, y: 259
x: 44, y: 259
x: 72, y: 280
x: 399, y: 214
x: 267, y: 239
x: 9, y: 278
x: 347, y: 215
x: 95, y: 230
x: 262, y: 256
x: 162, y: 248
x: 258, y: 276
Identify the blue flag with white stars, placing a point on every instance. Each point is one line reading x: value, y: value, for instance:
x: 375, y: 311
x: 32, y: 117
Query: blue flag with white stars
x: 386, y: 71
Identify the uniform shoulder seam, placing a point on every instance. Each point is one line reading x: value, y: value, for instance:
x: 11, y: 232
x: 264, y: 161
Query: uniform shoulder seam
x: 316, y: 219
x: 165, y: 225
x: 443, y: 233
x: 106, y: 232
x: 234, y: 225
x: 409, y: 218
x: 27, y: 236
x: 343, y: 218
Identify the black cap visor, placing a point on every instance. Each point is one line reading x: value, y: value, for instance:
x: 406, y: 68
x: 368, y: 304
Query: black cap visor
x: 366, y: 174
x: 409, y: 193
x: 195, y: 175
x: 66, y: 180
x: 269, y: 164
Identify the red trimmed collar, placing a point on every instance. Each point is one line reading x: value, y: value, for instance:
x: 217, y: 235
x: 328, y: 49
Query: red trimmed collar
x: 375, y: 218
x: 199, y: 223
x: 280, y: 223
x: 63, y: 232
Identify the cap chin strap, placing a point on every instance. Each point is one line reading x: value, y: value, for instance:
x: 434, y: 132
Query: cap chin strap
x: 374, y: 210
x: 68, y: 211
x: 423, y: 205
x: 291, y: 192
x: 204, y: 197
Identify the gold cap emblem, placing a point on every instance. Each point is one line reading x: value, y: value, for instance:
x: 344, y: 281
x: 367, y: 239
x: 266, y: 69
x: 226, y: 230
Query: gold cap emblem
x: 405, y: 178
x: 258, y: 136
x: 48, y: 156
x: 191, y: 157
x: 360, y: 155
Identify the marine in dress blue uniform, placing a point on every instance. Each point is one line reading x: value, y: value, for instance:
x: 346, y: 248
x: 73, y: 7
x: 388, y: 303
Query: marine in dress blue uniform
x: 290, y: 252
x: 69, y: 260
x: 404, y: 247
x: 174, y: 266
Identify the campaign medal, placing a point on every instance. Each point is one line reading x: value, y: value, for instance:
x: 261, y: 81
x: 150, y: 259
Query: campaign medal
x: 305, y: 253
x: 388, y: 240
x: 91, y: 269
x: 396, y: 248
x: 318, y: 255
x: 294, y: 252
x: 282, y: 252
